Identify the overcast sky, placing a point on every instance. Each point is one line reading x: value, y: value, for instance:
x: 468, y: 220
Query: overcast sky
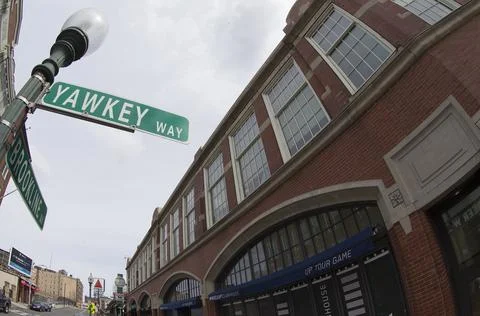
x: 192, y: 58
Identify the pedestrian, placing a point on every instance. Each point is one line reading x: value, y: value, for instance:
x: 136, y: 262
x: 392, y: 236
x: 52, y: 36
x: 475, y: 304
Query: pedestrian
x: 92, y: 309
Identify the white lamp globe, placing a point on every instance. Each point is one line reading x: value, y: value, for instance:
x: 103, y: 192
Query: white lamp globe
x: 93, y: 23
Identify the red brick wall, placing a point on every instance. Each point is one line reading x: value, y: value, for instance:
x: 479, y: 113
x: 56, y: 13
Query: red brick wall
x: 423, y: 271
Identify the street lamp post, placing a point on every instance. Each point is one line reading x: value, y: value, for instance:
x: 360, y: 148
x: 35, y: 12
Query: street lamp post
x: 90, y: 281
x: 82, y: 33
x: 119, y: 283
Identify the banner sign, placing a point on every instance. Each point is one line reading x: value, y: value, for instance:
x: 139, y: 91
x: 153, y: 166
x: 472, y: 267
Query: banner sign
x: 20, y: 262
x: 341, y: 254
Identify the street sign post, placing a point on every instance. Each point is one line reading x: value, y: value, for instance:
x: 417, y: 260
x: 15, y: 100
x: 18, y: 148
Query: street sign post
x: 98, y: 106
x: 98, y: 285
x: 18, y: 161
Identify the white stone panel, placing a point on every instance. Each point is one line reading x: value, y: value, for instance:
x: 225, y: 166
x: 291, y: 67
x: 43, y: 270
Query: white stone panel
x: 436, y: 155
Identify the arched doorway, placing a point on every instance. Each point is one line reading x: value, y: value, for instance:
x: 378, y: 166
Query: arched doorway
x: 145, y: 306
x: 327, y: 261
x: 132, y: 308
x: 183, y: 298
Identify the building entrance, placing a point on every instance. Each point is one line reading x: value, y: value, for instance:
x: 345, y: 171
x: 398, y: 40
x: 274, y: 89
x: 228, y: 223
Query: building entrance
x: 459, y: 231
x: 368, y: 287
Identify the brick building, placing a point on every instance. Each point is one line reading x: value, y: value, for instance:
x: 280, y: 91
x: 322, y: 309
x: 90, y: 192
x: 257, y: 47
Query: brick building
x: 343, y: 181
x: 58, y: 286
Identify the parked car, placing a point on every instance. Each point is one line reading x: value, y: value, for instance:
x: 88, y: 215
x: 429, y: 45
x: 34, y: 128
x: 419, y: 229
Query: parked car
x: 49, y: 306
x: 5, y: 303
x: 41, y: 307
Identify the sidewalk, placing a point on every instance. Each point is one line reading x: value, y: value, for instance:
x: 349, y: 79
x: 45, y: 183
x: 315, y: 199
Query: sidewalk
x: 19, y: 304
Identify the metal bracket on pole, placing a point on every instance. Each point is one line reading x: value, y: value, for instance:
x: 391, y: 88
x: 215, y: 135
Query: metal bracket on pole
x: 6, y: 123
x: 45, y: 89
x: 11, y: 127
x: 30, y: 105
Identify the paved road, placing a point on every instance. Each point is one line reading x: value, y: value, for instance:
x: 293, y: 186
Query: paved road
x: 67, y: 311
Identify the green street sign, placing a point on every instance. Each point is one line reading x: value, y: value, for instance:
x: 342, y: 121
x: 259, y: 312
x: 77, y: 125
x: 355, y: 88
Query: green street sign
x: 18, y: 161
x: 117, y: 111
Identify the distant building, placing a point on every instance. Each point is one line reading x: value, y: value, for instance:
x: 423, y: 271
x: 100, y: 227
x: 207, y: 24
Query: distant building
x: 16, y: 285
x: 344, y: 180
x: 58, y: 286
x: 4, y: 257
x: 79, y: 293
x: 10, y: 21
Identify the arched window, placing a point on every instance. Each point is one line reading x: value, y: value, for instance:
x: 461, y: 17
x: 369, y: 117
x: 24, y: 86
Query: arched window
x: 298, y: 239
x: 183, y: 295
x: 133, y: 308
x: 183, y: 290
x: 145, y: 306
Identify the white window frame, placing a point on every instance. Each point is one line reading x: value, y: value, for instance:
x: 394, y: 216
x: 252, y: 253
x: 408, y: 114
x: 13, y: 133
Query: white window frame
x: 186, y: 213
x: 277, y: 128
x: 164, y: 243
x: 339, y: 72
x: 452, y: 5
x: 208, y: 202
x: 152, y: 259
x: 174, y: 250
x: 149, y: 259
x: 237, y: 174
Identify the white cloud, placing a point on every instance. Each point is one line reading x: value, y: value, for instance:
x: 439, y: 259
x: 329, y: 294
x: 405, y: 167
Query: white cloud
x: 123, y: 144
x: 39, y: 161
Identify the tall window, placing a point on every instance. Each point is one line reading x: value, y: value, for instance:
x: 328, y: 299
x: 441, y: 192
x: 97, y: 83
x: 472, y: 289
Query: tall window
x: 250, y: 156
x: 431, y: 11
x: 299, y: 113
x: 164, y: 246
x: 144, y: 257
x: 217, y: 190
x: 175, y: 233
x: 149, y: 259
x: 189, y: 214
x: 354, y: 52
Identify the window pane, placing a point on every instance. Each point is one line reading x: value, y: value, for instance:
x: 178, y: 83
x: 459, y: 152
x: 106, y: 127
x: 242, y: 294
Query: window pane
x: 431, y: 11
x: 329, y: 238
x: 362, y: 218
x: 295, y: 112
x: 324, y: 220
x: 339, y: 231
x: 250, y: 153
x: 357, y: 53
x: 384, y: 287
x: 217, y: 189
x: 375, y: 216
x: 351, y: 226
x: 463, y: 225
